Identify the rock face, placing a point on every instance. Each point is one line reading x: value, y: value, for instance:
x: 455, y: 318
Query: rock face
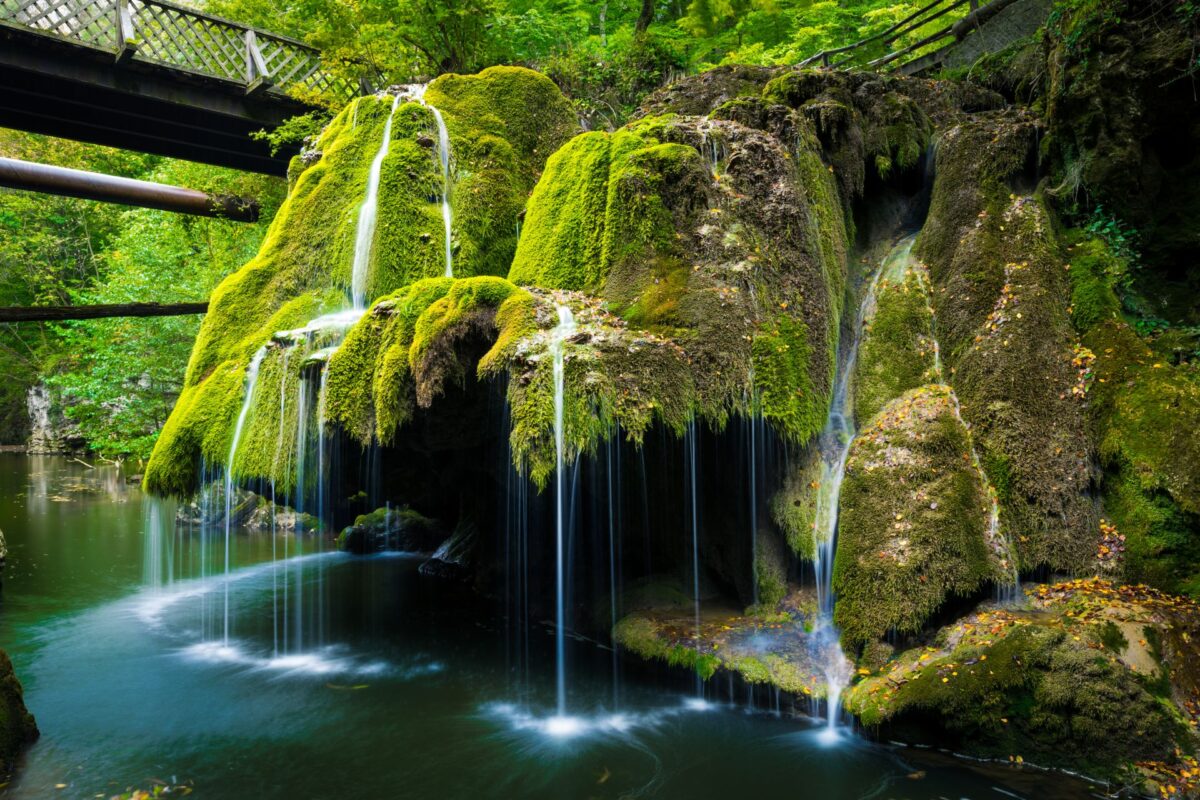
x: 17, y: 726
x: 1001, y: 297
x: 50, y: 431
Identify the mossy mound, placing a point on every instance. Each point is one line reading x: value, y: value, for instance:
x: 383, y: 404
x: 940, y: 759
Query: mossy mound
x: 1001, y: 296
x: 1093, y: 677
x: 913, y: 528
x: 719, y: 236
x: 502, y: 123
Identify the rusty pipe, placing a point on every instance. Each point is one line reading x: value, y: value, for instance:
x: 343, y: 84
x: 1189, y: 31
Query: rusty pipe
x: 17, y: 174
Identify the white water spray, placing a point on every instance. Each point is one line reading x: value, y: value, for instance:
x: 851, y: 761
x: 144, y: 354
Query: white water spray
x: 695, y: 519
x: 368, y: 214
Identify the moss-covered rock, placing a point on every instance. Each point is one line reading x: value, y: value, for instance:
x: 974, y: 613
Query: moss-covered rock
x: 770, y: 648
x: 898, y: 351
x: 502, y: 124
x: 1047, y: 685
x: 913, y: 528
x: 388, y: 529
x: 719, y: 236
x: 17, y: 726
x: 1001, y: 295
x: 1144, y: 406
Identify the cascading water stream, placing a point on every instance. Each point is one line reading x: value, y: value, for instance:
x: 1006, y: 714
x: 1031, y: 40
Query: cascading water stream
x: 444, y: 159
x: 251, y: 380
x: 565, y: 328
x: 368, y: 215
x: 834, y: 444
x: 694, y: 516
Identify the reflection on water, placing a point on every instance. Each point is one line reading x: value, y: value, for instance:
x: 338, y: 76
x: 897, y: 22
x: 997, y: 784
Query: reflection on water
x: 410, y: 694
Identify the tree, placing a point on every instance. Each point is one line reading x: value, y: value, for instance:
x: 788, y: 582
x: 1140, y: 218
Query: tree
x: 645, y: 17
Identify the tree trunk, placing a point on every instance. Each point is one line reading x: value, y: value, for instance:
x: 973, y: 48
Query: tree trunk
x: 646, y: 17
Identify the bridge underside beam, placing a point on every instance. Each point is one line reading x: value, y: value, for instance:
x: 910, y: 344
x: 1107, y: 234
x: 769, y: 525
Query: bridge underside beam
x: 70, y: 92
x: 64, y: 313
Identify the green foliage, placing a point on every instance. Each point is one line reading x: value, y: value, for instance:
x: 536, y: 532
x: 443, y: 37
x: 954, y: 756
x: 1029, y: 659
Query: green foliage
x: 294, y: 131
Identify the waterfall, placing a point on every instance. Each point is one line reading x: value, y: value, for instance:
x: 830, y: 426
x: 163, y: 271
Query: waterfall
x: 417, y: 92
x: 565, y: 328
x: 301, y: 453
x: 613, y: 546
x: 444, y: 159
x: 251, y: 380
x: 834, y: 445
x: 368, y: 212
x: 695, y: 520
x: 753, y: 493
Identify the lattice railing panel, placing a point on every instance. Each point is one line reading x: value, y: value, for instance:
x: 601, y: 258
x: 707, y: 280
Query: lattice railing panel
x: 179, y: 38
x: 92, y: 22
x: 198, y: 44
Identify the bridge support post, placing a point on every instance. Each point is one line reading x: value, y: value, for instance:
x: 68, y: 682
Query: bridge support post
x: 258, y: 77
x: 126, y: 35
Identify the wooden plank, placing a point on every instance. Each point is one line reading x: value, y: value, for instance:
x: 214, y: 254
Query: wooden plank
x: 66, y: 313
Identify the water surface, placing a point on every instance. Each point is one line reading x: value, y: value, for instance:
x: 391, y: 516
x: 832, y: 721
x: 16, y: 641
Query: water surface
x: 381, y: 683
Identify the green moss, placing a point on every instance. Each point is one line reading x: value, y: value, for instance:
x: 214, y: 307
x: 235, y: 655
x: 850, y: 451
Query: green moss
x: 783, y: 382
x: 897, y: 352
x: 640, y: 636
x: 1111, y: 637
x: 794, y: 506
x: 1093, y: 270
x: 1145, y: 411
x: 1034, y: 692
x: 600, y: 208
x: 503, y: 123
x: 913, y: 521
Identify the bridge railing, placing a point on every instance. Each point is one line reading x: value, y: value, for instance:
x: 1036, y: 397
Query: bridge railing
x: 162, y: 33
x: 892, y: 48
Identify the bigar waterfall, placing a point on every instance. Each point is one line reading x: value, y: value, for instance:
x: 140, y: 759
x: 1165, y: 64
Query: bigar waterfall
x: 774, y: 399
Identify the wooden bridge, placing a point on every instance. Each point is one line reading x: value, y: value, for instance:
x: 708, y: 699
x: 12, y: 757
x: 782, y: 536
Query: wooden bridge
x: 152, y: 76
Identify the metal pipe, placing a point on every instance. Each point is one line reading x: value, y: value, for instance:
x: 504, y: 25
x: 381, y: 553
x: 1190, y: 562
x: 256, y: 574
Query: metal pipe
x: 16, y: 174
x: 61, y: 313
